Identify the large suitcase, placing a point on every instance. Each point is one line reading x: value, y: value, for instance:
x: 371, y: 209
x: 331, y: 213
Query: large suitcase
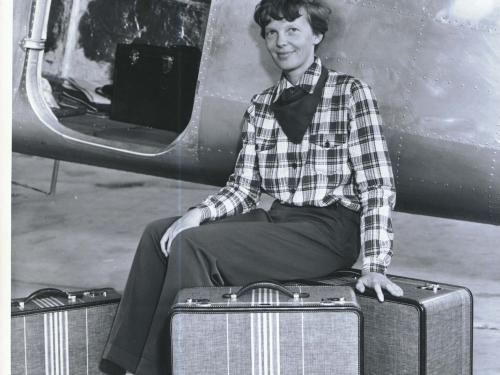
x: 265, y: 328
x: 428, y: 331
x: 55, y: 332
x: 155, y: 86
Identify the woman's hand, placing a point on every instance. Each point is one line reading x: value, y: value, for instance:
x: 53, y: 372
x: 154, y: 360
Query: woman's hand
x: 378, y: 281
x: 190, y: 219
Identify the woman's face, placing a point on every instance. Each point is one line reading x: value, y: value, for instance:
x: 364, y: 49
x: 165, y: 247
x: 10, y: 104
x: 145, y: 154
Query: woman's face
x: 291, y: 45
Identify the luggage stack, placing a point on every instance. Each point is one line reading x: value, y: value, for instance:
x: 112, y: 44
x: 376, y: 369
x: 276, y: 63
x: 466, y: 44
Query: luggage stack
x: 261, y: 329
x: 56, y: 332
x: 428, y: 331
x: 265, y: 328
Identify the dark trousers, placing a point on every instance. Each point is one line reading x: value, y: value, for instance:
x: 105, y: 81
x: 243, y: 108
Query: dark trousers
x: 285, y: 243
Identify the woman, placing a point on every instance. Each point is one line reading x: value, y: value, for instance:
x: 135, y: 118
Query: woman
x: 314, y: 142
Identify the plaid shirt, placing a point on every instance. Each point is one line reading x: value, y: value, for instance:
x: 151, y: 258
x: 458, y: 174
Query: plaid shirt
x: 342, y: 158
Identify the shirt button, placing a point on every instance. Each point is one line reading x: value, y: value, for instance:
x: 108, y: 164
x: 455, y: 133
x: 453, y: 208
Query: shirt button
x: 327, y: 144
x: 294, y: 165
x: 292, y: 191
x: 257, y: 147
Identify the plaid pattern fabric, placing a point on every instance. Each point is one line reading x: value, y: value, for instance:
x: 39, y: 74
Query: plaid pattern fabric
x: 342, y: 158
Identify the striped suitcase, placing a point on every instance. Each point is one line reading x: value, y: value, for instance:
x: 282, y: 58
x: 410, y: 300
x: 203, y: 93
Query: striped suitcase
x: 428, y: 331
x: 59, y: 333
x: 265, y: 328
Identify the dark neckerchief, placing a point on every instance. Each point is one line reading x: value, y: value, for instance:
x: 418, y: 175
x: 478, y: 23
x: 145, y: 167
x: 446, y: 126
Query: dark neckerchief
x: 295, y: 108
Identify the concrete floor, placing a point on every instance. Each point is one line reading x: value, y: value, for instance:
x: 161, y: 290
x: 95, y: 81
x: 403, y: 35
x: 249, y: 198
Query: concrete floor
x: 85, y: 236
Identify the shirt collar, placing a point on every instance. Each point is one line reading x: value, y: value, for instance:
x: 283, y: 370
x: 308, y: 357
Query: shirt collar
x: 307, y: 82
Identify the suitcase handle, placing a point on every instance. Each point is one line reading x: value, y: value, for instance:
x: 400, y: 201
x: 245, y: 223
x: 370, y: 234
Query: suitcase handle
x: 45, y: 292
x: 268, y: 285
x: 53, y: 292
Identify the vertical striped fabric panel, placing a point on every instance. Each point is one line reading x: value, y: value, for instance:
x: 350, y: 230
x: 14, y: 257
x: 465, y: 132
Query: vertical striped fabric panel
x: 65, y: 342
x: 266, y: 343
x: 265, y: 338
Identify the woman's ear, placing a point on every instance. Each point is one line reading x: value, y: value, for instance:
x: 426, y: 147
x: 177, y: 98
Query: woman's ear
x: 317, y: 38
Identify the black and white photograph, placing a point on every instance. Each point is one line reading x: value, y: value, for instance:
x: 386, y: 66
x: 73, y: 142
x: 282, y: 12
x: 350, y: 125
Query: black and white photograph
x: 261, y: 187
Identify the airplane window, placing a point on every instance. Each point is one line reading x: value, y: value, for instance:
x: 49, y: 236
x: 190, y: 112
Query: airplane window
x: 124, y: 71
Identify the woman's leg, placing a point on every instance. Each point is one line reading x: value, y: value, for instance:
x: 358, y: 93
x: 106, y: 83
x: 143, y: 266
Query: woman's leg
x: 132, y: 323
x: 300, y: 246
x: 138, y: 304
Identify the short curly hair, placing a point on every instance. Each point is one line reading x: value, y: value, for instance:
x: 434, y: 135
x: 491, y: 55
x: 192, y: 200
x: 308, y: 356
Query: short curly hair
x: 318, y: 13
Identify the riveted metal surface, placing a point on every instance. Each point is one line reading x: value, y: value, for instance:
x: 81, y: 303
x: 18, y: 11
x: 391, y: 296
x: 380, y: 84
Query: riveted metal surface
x: 432, y: 64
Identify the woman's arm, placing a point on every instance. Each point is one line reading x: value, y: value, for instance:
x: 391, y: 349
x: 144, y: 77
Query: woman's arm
x: 374, y: 178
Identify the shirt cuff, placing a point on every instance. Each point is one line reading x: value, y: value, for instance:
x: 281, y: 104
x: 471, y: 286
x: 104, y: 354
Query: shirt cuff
x: 205, y: 212
x: 374, y: 264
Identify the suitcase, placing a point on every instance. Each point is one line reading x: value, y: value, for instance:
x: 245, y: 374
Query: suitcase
x: 428, y: 331
x: 54, y: 332
x: 155, y: 86
x: 265, y: 328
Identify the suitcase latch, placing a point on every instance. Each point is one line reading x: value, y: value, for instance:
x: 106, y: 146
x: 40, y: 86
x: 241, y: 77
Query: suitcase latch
x: 167, y: 63
x: 198, y: 301
x: 332, y: 301
x: 434, y: 287
x: 95, y: 293
x: 134, y: 57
